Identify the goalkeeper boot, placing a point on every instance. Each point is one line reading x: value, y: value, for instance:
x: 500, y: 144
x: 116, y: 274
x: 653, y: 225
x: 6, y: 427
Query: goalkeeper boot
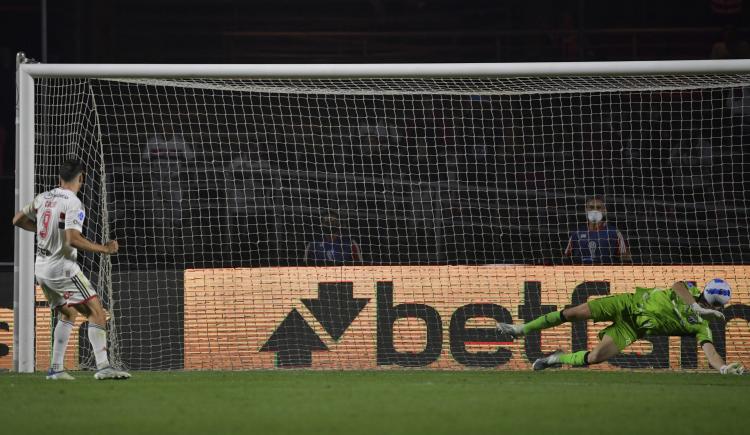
x: 110, y: 373
x: 59, y: 376
x: 551, y: 360
x: 511, y: 330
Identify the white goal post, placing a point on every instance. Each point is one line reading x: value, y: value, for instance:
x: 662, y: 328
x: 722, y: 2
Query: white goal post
x: 28, y: 128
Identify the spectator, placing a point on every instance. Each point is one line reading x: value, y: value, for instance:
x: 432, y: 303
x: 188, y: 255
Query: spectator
x: 332, y: 249
x: 167, y: 145
x: 167, y: 196
x: 379, y: 139
x: 597, y: 242
x: 731, y: 46
x: 726, y: 10
x: 571, y: 42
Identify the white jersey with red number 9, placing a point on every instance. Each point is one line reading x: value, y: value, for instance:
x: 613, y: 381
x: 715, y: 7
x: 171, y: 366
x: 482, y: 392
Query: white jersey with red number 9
x: 54, y: 212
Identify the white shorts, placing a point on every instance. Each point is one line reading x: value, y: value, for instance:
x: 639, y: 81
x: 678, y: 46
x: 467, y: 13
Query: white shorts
x: 67, y: 291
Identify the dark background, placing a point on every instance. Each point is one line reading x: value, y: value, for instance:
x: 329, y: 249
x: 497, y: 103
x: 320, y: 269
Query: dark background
x: 285, y: 31
x: 353, y: 31
x: 331, y: 31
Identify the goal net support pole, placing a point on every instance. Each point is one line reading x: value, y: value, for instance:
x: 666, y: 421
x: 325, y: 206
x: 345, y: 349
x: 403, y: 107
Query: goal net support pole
x: 23, y: 259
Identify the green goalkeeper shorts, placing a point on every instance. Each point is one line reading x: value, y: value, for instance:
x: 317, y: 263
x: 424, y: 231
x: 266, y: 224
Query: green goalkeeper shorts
x: 617, y: 309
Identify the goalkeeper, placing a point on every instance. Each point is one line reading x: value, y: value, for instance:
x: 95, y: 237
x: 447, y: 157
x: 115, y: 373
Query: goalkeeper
x: 681, y: 310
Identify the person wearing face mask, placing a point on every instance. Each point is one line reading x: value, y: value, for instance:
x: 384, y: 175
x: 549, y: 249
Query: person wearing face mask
x: 597, y: 242
x: 332, y: 248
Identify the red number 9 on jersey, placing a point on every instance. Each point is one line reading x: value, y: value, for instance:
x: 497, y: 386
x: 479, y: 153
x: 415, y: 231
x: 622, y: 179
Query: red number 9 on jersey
x: 45, y: 224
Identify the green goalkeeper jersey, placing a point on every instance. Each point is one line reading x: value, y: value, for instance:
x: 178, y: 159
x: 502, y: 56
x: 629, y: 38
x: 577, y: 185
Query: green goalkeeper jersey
x: 662, y: 312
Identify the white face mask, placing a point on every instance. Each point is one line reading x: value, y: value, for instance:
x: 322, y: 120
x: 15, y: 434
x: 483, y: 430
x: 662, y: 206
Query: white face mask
x: 594, y: 216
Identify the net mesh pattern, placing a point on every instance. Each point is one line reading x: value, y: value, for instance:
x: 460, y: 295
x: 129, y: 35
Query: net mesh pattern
x: 230, y: 174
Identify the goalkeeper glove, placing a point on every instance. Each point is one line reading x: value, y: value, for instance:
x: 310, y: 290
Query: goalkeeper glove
x: 732, y: 369
x: 707, y: 313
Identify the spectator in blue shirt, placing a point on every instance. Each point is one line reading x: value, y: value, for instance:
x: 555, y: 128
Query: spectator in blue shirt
x: 332, y: 249
x: 597, y: 242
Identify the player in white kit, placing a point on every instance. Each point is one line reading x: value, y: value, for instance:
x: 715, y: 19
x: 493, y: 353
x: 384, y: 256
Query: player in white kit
x: 57, y: 216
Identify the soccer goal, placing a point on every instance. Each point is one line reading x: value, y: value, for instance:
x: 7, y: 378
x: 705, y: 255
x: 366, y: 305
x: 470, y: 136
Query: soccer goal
x: 381, y: 216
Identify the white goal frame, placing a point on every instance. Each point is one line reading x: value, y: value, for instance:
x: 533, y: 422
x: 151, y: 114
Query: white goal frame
x: 27, y: 72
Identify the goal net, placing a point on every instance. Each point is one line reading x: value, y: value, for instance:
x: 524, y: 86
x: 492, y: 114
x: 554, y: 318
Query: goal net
x: 390, y: 222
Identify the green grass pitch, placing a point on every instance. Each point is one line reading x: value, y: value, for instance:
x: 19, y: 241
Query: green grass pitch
x: 378, y: 402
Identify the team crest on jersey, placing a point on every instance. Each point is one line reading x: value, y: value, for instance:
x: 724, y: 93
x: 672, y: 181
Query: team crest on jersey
x: 67, y: 295
x: 592, y: 248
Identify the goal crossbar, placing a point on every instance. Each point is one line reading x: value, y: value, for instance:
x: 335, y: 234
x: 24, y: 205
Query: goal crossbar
x: 477, y: 70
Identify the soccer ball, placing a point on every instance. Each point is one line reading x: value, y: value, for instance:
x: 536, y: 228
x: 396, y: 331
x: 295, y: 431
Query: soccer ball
x: 717, y: 292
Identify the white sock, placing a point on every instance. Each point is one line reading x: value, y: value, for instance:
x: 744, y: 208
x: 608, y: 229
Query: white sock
x: 61, y: 335
x: 98, y: 339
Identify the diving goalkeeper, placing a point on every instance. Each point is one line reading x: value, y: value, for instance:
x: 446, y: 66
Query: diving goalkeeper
x: 681, y: 310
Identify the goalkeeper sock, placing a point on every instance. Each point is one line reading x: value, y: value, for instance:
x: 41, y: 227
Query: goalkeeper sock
x: 543, y: 322
x: 98, y: 339
x: 61, y: 335
x: 576, y: 359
